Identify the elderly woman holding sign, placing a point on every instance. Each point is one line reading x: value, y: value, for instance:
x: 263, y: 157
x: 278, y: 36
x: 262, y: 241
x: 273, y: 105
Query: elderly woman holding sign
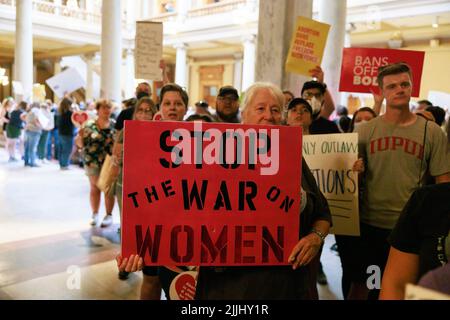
x: 263, y: 104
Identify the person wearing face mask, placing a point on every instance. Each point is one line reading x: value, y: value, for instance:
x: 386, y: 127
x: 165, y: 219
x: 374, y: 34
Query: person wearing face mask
x: 314, y: 92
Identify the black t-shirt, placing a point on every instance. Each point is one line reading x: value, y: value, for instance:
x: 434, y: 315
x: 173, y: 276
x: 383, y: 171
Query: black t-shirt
x: 267, y: 282
x: 65, y: 125
x: 323, y: 126
x: 424, y: 225
x: 126, y: 114
x: 5, y: 124
x: 15, y: 119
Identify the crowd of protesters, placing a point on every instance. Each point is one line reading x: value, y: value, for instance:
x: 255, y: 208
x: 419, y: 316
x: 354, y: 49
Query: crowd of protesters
x: 404, y: 169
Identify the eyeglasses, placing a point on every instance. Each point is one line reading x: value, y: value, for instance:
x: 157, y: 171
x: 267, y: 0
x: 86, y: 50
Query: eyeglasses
x: 309, y: 95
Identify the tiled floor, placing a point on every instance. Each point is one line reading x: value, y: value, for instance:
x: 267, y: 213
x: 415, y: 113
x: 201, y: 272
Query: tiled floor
x: 48, y: 250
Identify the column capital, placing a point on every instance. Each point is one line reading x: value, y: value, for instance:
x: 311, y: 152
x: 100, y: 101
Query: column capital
x: 238, y: 55
x: 90, y: 55
x: 249, y: 38
x: 180, y: 45
x: 128, y: 52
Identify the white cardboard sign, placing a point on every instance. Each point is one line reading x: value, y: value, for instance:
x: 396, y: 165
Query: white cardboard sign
x: 66, y: 82
x: 330, y: 158
x: 148, y: 53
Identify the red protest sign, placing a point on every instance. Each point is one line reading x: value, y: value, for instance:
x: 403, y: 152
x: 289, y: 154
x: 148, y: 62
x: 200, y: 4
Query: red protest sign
x: 210, y: 194
x: 360, y: 67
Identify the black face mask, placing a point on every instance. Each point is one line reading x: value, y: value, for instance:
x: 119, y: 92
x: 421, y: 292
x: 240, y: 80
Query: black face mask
x: 141, y: 94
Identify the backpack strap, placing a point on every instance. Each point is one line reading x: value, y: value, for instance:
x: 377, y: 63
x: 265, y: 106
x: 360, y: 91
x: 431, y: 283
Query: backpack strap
x: 419, y: 183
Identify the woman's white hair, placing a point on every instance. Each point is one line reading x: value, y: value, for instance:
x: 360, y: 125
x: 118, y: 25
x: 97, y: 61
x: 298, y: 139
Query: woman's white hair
x: 258, y: 86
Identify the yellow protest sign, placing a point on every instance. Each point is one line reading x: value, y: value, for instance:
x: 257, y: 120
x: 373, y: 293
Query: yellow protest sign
x: 307, y: 45
x: 39, y: 92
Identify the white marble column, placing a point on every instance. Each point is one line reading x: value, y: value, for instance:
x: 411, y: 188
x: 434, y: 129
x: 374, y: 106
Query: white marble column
x: 111, y: 51
x: 347, y: 44
x: 58, y: 4
x: 181, y: 65
x: 333, y: 13
x: 248, y: 68
x: 276, y: 25
x: 131, y: 13
x: 129, y: 74
x: 89, y: 59
x: 23, y: 53
x: 182, y: 9
x: 237, y: 75
x: 146, y: 8
x: 90, y: 7
x: 270, y: 50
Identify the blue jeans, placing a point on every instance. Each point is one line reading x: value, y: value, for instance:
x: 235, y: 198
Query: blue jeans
x: 65, y: 150
x: 42, y: 146
x: 31, y: 144
x: 53, y: 140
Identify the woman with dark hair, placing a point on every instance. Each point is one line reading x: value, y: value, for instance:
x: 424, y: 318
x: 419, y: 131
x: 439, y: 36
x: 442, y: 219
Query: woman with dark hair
x: 199, y: 117
x: 14, y: 131
x: 96, y: 138
x: 361, y: 115
x: 144, y: 110
x: 299, y: 113
x: 173, y: 102
x: 66, y: 131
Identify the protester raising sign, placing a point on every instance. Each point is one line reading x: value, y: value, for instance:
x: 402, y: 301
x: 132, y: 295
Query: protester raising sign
x: 148, y: 53
x: 210, y: 194
x: 360, y: 68
x: 307, y: 45
x: 330, y: 158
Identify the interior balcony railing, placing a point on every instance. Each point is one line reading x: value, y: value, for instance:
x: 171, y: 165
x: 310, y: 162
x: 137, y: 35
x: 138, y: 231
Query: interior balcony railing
x: 165, y: 17
x: 216, y: 8
x: 50, y: 8
x: 205, y: 10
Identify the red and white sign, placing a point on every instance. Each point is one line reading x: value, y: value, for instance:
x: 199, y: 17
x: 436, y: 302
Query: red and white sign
x: 79, y: 117
x: 183, y: 286
x: 360, y: 67
x: 210, y: 194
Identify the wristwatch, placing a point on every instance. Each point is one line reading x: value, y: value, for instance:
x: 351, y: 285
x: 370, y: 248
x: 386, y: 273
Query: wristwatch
x: 320, y: 234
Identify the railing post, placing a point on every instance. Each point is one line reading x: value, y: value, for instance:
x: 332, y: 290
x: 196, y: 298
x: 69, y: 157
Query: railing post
x: 57, y: 4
